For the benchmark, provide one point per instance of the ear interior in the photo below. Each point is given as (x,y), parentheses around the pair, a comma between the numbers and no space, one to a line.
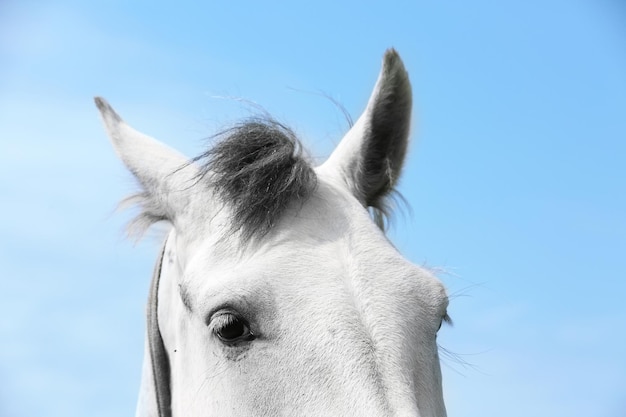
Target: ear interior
(386,131)
(369,158)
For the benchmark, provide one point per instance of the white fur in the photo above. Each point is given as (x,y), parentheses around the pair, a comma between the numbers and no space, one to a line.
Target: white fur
(346,326)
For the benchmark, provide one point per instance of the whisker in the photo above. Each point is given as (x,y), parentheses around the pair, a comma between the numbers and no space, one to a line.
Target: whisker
(459,359)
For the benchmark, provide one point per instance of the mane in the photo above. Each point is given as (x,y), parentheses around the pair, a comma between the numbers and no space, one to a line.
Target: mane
(257,168)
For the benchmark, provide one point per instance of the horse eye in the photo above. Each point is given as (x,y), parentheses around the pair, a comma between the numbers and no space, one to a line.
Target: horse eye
(231,329)
(445,319)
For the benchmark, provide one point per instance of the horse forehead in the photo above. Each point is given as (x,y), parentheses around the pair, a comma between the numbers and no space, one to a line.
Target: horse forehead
(328,240)
(332,238)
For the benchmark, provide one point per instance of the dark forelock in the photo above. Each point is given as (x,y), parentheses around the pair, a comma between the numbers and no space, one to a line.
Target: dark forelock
(258,169)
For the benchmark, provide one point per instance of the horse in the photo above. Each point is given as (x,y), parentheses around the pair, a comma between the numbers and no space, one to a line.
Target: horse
(277,291)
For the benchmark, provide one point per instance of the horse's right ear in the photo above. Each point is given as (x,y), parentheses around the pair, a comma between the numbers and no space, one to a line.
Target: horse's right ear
(369,158)
(163,173)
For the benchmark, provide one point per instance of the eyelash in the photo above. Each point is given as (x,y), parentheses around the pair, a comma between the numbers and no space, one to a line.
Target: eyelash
(222,320)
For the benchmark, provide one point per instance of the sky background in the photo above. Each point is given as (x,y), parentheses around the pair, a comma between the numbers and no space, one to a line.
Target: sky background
(515,178)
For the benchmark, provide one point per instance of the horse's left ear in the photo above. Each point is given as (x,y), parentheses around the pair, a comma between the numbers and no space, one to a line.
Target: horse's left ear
(370,156)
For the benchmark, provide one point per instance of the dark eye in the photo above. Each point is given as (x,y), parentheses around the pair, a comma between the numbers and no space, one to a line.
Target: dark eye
(230,328)
(445,319)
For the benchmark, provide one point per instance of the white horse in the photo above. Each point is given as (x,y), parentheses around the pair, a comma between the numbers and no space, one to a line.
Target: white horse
(276,293)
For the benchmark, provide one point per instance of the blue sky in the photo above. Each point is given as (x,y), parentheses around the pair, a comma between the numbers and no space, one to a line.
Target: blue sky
(515,179)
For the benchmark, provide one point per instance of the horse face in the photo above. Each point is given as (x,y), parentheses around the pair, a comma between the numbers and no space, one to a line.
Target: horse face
(324,317)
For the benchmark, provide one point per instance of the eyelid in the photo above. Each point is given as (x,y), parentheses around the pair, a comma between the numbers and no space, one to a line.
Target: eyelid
(221,317)
(225,317)
(239,308)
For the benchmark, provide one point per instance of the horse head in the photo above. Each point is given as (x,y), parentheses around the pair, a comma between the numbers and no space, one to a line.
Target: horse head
(278,292)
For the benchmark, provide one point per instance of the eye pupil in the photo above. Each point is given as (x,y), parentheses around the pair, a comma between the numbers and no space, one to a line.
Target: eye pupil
(233,330)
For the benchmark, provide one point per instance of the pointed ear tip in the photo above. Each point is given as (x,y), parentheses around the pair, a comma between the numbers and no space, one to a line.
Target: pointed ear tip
(100,102)
(105,109)
(392,63)
(391,53)
(392,57)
